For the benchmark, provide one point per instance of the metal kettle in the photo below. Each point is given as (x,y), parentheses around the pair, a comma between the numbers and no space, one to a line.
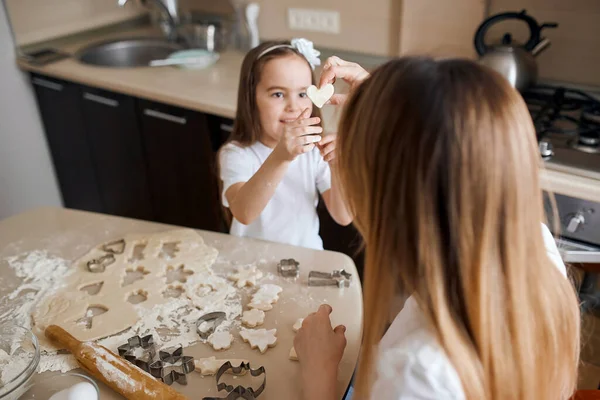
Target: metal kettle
(514,61)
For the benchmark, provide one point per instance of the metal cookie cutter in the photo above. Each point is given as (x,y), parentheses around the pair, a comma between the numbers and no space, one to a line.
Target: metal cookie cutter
(234,393)
(172,366)
(207,323)
(139,351)
(99,264)
(114,247)
(288,268)
(339,278)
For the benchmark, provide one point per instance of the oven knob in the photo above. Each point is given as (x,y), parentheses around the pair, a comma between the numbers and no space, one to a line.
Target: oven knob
(575,222)
(546,150)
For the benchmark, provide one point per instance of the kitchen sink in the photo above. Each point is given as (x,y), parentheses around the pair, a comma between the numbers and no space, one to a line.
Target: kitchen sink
(125,53)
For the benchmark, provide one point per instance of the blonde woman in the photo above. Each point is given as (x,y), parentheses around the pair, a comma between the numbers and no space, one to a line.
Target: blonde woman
(439,164)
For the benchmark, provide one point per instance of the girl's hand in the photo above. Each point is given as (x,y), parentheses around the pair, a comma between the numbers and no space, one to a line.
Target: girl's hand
(327,147)
(350,72)
(299,136)
(320,347)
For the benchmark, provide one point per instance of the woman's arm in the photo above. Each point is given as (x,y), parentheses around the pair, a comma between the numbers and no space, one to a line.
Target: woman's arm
(334,201)
(333,197)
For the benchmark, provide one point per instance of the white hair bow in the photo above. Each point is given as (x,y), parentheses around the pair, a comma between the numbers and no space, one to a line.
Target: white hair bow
(305,47)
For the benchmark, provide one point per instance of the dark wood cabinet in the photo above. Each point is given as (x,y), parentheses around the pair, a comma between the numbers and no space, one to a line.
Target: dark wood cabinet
(220,128)
(111,125)
(183,180)
(60,108)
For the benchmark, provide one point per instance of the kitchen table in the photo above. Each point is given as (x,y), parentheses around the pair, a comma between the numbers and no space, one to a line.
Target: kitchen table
(70,234)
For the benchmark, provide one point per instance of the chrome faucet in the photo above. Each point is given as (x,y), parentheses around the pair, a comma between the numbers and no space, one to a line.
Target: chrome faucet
(169,9)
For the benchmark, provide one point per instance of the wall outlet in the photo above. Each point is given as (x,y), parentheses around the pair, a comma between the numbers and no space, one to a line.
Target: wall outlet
(303,19)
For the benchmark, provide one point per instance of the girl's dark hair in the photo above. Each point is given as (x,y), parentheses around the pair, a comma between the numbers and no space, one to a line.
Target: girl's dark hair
(246,128)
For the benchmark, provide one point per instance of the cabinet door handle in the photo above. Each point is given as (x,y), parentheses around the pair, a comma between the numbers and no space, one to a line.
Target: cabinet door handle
(226,127)
(99,99)
(47,84)
(165,116)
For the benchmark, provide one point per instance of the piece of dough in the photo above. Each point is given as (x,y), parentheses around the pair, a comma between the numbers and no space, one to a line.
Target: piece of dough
(210,365)
(253,318)
(265,297)
(298,324)
(70,303)
(220,340)
(319,96)
(293,355)
(246,276)
(259,338)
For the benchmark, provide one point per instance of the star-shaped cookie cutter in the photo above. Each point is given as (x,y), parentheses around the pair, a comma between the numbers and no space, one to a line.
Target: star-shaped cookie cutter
(288,268)
(339,278)
(98,265)
(139,351)
(172,366)
(234,393)
(214,319)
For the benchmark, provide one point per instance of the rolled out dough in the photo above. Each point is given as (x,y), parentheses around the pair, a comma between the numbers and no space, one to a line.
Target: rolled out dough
(145,255)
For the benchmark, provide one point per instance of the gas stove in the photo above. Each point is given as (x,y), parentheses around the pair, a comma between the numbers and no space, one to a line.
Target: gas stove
(567,122)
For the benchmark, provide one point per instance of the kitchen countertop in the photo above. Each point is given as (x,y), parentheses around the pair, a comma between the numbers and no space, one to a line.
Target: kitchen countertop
(214,90)
(69,234)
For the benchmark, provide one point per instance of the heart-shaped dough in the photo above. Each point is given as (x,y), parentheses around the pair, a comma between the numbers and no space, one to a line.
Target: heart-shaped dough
(320,96)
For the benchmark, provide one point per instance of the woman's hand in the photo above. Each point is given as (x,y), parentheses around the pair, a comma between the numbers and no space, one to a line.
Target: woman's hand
(350,72)
(299,136)
(327,147)
(320,349)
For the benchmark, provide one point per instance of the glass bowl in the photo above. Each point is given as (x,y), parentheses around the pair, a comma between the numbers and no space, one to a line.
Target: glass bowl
(44,388)
(19,359)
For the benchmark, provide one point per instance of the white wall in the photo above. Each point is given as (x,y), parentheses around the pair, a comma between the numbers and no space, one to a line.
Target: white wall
(27,177)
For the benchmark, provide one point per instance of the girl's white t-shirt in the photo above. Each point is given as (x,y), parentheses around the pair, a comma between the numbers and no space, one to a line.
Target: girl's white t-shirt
(413,365)
(291,215)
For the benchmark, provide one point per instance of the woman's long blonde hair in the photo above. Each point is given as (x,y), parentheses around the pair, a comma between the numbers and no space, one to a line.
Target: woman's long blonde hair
(440,166)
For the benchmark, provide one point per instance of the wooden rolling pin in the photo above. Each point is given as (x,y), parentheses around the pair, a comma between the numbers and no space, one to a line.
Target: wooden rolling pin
(116,372)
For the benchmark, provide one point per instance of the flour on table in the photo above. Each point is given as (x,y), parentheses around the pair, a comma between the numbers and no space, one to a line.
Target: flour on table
(259,338)
(42,275)
(253,318)
(50,292)
(246,276)
(210,365)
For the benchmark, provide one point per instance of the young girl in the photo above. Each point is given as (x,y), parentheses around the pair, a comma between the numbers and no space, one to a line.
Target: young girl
(440,165)
(277,161)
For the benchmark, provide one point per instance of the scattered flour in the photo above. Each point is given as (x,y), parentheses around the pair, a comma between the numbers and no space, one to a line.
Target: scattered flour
(172,323)
(42,275)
